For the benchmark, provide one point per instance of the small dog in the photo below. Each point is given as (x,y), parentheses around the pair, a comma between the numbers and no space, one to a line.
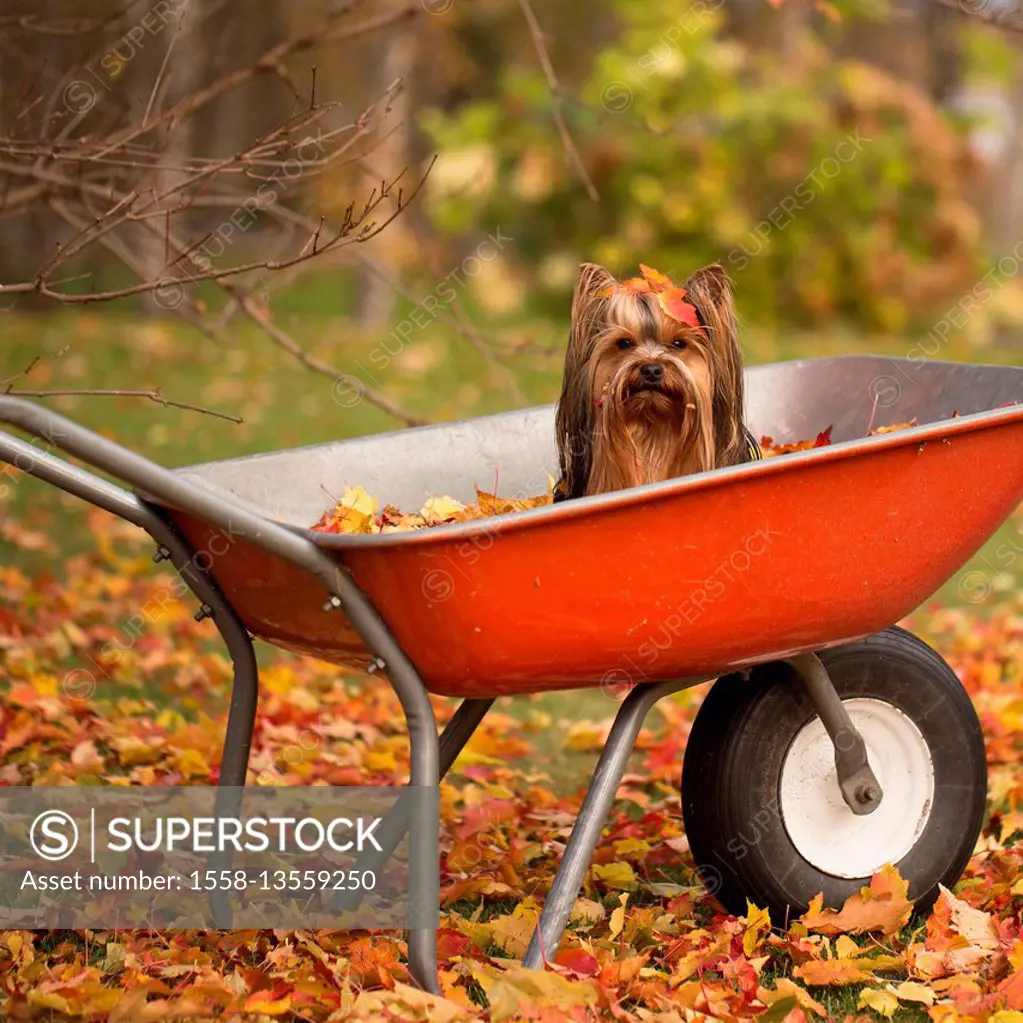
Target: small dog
(653,385)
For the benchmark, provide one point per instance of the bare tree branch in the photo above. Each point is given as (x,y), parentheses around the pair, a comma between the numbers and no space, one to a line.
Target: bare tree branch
(153,395)
(100,165)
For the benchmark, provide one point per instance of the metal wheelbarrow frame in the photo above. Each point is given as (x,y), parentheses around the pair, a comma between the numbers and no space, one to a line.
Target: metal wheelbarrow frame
(174,498)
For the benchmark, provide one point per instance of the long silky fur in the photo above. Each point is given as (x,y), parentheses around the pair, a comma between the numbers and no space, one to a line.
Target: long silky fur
(710,291)
(574,420)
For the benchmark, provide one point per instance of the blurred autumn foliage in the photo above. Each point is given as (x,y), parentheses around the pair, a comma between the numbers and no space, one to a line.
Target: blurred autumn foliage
(828,186)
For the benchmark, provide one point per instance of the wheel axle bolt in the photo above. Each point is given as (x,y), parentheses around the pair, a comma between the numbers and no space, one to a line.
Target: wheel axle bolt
(866,794)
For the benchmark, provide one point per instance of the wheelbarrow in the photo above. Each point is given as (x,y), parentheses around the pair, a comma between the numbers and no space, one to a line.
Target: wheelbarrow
(833,743)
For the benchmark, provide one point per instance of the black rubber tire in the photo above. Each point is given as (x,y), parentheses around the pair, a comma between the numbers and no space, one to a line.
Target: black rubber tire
(731,775)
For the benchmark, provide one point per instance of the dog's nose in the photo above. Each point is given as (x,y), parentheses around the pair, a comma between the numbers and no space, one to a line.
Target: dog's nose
(651,372)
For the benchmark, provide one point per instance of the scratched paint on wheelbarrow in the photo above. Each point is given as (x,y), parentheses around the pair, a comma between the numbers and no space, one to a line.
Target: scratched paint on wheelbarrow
(690,578)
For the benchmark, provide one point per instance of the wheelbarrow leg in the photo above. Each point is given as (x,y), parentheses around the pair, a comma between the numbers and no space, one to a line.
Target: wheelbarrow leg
(592,817)
(241,718)
(460,729)
(860,788)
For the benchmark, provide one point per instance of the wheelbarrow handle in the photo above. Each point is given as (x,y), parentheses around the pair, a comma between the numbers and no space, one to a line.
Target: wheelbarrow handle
(171,488)
(101,453)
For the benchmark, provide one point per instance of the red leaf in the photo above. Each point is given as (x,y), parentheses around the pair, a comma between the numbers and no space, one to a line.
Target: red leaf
(823,438)
(578,961)
(672,304)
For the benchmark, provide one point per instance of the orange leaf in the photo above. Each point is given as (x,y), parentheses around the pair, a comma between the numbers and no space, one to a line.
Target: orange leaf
(637,285)
(880,906)
(819,972)
(655,278)
(672,305)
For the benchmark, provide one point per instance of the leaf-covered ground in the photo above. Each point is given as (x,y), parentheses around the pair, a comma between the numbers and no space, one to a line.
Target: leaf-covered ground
(97,691)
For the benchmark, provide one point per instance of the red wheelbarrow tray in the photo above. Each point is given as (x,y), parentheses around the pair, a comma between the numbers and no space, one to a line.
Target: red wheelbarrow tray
(693,577)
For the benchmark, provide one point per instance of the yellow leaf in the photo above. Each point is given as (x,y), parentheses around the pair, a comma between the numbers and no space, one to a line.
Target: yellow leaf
(132,750)
(49,1000)
(521,992)
(615,875)
(883,1002)
(357,500)
(262,1002)
(440,509)
(617,921)
(1006,1016)
(355,511)
(380,761)
(512,933)
(1016,956)
(908,991)
(758,922)
(192,764)
(846,948)
(635,847)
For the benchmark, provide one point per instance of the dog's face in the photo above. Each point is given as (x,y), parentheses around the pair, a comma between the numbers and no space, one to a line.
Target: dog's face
(652,388)
(650,373)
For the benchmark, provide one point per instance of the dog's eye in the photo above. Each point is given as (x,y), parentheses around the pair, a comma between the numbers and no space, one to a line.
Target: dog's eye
(678,343)
(624,343)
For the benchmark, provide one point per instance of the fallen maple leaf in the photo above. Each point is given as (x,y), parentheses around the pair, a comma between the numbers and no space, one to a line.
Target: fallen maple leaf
(785,989)
(769,449)
(758,923)
(528,993)
(883,1002)
(880,906)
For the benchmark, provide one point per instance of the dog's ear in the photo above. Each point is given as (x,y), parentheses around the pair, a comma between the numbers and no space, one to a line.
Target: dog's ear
(574,422)
(593,278)
(710,290)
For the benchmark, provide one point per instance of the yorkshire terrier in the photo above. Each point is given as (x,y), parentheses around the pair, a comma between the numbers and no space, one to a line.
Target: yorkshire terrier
(653,385)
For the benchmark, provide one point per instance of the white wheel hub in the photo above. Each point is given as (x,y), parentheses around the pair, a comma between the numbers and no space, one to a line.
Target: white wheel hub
(826,833)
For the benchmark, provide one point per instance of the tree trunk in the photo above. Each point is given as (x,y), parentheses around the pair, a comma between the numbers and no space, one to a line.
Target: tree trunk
(182,75)
(376,301)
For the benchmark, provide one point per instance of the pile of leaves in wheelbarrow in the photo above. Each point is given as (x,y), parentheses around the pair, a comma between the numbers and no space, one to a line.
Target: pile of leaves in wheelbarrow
(359,512)
(86,702)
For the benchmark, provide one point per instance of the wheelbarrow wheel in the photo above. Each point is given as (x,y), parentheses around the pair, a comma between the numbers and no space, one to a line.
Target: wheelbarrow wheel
(763,812)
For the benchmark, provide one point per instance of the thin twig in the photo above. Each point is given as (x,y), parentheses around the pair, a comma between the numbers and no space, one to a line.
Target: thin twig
(24,373)
(290,345)
(153,395)
(163,65)
(552,82)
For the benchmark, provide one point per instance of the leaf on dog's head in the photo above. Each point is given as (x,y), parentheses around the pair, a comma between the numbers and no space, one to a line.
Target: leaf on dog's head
(655,278)
(637,285)
(605,292)
(673,304)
